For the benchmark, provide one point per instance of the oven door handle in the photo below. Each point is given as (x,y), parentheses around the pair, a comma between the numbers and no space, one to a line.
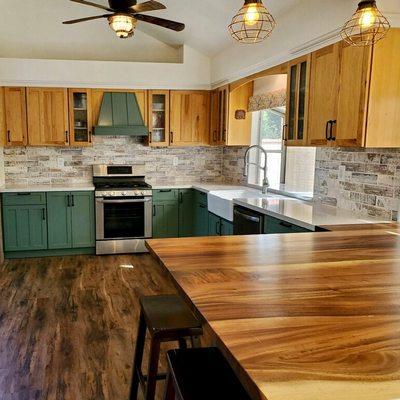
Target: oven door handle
(123,201)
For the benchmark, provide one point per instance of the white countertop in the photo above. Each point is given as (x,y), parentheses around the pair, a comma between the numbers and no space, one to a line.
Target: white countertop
(201,186)
(74,187)
(305,214)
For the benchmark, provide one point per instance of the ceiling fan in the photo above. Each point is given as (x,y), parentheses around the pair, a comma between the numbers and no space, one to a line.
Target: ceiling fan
(124,14)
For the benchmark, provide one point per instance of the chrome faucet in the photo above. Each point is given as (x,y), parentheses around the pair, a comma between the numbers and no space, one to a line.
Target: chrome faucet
(247,164)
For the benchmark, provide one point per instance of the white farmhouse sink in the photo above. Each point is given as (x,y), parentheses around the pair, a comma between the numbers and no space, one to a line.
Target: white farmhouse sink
(220,202)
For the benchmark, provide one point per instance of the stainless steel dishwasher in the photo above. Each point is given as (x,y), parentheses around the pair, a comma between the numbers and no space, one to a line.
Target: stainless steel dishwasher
(247,222)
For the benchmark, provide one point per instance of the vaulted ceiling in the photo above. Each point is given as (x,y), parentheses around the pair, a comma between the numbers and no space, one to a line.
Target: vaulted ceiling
(33,29)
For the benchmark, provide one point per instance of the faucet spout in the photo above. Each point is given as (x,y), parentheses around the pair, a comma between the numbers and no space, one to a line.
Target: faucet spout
(247,163)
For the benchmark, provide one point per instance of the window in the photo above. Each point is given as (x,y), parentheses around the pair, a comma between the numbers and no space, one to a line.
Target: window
(292,167)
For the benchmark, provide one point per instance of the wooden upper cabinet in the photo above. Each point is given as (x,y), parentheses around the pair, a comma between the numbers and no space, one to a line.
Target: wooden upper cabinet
(15,116)
(383,119)
(219,115)
(48,116)
(239,118)
(355,66)
(80,117)
(214,117)
(323,97)
(189,118)
(295,129)
(158,116)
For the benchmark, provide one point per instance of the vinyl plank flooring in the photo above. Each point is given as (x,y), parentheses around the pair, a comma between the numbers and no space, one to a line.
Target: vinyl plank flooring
(68,325)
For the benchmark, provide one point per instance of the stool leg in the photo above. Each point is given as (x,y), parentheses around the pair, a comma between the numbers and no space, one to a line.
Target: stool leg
(153,369)
(169,393)
(182,343)
(137,361)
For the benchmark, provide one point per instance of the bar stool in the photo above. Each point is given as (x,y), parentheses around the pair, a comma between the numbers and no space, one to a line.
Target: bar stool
(167,318)
(201,374)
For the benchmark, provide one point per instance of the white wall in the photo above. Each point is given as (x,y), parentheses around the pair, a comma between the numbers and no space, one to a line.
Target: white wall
(312,24)
(193,73)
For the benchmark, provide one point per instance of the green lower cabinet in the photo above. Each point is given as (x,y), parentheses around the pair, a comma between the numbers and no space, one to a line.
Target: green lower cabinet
(226,228)
(214,225)
(25,227)
(275,225)
(83,220)
(165,219)
(186,212)
(201,220)
(59,220)
(70,220)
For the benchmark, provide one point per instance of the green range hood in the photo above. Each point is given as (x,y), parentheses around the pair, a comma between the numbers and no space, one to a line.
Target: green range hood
(120,115)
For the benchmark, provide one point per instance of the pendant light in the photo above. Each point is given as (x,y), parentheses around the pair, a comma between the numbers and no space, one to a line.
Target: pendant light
(367,25)
(252,23)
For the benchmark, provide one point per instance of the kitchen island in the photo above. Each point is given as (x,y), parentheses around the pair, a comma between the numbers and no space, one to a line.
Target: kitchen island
(311,316)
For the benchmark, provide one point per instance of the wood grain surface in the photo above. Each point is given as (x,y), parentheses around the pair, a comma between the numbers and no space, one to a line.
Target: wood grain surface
(68,325)
(300,316)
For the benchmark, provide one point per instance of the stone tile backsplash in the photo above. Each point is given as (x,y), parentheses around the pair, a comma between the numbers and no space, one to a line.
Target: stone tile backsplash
(366,181)
(52,165)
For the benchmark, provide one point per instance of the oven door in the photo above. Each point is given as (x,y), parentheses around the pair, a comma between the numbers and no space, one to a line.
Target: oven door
(123,218)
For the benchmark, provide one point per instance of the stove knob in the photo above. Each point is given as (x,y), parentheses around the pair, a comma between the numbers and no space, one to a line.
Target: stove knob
(112,193)
(124,193)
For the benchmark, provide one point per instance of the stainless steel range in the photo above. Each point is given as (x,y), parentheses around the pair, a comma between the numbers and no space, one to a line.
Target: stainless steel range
(123,208)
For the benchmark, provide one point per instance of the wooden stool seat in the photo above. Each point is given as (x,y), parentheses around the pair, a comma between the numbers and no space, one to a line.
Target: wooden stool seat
(167,319)
(202,374)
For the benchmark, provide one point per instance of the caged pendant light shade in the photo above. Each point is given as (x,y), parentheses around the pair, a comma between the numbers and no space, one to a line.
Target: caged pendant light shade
(367,25)
(252,24)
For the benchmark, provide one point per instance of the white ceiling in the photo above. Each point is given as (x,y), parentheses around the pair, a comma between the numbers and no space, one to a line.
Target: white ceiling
(33,29)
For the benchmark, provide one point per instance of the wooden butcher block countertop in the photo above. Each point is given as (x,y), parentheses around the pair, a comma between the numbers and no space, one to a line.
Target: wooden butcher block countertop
(308,316)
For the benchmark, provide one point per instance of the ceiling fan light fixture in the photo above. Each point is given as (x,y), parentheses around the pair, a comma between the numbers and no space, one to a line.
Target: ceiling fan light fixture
(367,25)
(253,23)
(123,25)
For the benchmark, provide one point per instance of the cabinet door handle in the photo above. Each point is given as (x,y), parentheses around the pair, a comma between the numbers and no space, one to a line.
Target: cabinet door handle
(285,224)
(202,206)
(165,190)
(150,137)
(66,137)
(331,137)
(73,200)
(90,136)
(219,228)
(224,135)
(284,133)
(327,129)
(180,197)
(9,136)
(154,211)
(68,200)
(24,194)
(44,214)
(171,137)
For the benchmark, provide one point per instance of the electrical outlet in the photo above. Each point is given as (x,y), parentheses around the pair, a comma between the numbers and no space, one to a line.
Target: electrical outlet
(175,161)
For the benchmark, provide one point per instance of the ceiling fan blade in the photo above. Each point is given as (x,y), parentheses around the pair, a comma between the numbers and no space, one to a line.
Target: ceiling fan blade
(151,5)
(165,23)
(75,21)
(89,3)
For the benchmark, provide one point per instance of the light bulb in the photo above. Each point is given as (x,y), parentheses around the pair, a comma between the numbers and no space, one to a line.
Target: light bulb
(252,15)
(368,18)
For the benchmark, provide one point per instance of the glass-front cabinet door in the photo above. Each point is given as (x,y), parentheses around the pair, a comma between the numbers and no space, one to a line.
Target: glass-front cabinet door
(159,118)
(80,112)
(295,129)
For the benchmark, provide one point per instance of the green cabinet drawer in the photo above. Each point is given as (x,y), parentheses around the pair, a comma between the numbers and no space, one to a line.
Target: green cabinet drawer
(24,198)
(201,198)
(274,225)
(160,195)
(226,228)
(24,228)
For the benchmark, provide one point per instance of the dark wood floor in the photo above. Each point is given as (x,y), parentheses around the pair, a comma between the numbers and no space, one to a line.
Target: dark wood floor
(68,325)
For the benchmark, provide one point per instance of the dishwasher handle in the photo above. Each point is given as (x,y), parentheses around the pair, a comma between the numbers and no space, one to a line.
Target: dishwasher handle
(247,217)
